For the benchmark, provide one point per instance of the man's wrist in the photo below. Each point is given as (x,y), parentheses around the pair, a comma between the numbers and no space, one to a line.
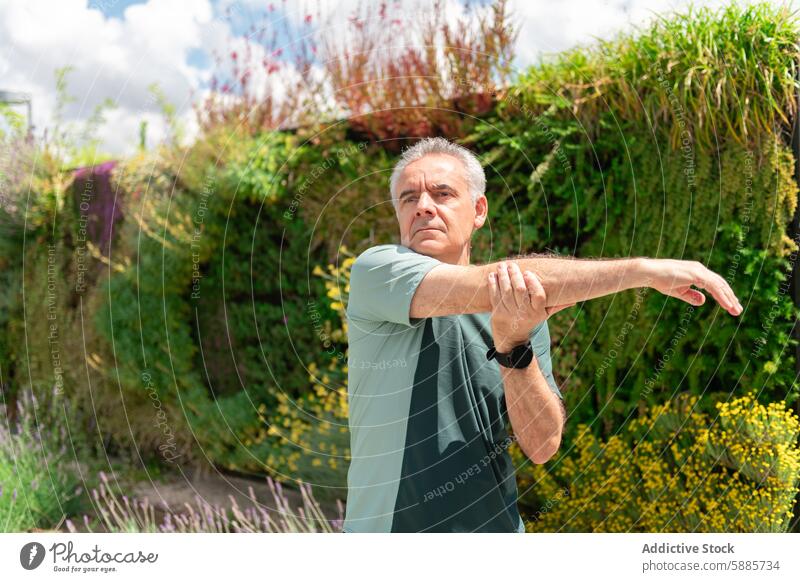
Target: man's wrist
(534,365)
(641,275)
(505,345)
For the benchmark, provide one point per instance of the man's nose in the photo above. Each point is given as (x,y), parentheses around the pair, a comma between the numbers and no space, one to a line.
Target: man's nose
(425,204)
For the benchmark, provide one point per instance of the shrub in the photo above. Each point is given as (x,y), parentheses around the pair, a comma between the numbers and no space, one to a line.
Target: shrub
(312,431)
(440,71)
(229,330)
(675,469)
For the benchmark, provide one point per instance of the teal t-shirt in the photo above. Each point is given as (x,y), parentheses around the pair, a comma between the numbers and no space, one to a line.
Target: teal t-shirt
(428,419)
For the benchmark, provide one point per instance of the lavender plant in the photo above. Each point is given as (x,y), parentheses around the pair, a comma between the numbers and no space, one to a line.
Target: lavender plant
(133,516)
(38,485)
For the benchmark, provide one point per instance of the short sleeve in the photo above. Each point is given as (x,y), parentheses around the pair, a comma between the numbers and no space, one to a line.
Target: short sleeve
(383,280)
(540,341)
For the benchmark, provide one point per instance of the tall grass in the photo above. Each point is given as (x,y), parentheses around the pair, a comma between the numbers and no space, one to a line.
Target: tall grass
(733,68)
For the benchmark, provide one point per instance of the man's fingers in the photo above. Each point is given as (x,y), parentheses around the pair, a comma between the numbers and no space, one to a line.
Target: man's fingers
(504,283)
(731,295)
(535,289)
(720,291)
(519,286)
(692,296)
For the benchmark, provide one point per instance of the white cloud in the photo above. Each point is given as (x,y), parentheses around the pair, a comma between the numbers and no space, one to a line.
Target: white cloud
(116,58)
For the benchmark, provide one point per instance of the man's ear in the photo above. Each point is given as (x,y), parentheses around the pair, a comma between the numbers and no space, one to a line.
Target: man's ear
(481,211)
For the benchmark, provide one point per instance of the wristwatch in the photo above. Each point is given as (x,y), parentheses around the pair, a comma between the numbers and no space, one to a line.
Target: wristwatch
(519,357)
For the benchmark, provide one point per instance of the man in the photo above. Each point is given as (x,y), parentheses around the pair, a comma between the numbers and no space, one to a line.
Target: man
(440,354)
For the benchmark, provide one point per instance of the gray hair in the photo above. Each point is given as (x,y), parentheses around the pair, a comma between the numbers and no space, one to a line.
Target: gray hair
(476,179)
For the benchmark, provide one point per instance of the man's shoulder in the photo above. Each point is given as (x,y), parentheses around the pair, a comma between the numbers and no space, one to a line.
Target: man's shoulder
(373,256)
(385,253)
(378,249)
(384,249)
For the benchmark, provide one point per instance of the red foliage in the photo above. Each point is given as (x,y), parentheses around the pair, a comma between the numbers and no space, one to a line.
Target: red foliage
(428,80)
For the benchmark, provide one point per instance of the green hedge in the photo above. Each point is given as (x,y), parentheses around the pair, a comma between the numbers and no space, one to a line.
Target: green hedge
(579,165)
(211,327)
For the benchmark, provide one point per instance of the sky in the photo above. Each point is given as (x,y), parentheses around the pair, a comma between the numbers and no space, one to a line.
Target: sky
(119,48)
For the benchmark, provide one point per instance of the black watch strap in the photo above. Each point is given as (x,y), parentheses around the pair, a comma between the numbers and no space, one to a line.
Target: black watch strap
(519,357)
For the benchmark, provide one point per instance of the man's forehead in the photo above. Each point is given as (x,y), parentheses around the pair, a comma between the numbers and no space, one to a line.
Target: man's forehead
(435,168)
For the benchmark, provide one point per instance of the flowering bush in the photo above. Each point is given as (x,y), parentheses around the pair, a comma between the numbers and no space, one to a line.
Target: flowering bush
(675,470)
(439,71)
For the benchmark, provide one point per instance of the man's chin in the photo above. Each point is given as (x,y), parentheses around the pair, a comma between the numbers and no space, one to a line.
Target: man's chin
(428,247)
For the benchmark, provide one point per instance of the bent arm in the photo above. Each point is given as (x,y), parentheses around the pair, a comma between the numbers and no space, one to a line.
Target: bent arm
(536,413)
(455,289)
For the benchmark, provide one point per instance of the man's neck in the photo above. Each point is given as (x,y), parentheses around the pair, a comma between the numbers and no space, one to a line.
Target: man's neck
(461,258)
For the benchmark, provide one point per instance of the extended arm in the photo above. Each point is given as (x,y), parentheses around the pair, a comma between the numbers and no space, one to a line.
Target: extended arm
(454,289)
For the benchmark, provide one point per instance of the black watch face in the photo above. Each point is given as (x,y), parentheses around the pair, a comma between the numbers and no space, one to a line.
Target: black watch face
(518,357)
(521,356)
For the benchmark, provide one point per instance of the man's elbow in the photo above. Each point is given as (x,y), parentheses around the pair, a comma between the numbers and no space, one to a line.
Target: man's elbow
(543,452)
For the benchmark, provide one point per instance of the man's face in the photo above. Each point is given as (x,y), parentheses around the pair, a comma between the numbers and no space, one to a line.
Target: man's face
(435,209)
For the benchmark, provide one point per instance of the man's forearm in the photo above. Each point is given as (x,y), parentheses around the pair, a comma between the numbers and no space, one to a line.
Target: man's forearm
(564,280)
(572,280)
(536,413)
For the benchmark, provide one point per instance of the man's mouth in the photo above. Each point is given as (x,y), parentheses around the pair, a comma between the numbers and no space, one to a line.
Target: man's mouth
(428,228)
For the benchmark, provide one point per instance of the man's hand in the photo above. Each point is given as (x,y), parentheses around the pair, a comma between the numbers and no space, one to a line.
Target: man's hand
(518,305)
(676,278)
